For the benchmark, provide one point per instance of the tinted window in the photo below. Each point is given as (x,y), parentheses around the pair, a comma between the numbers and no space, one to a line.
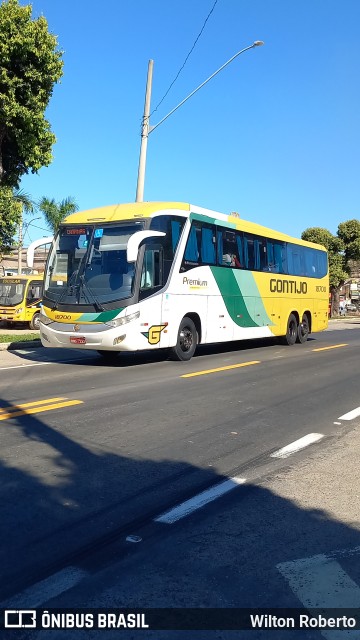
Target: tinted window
(201,246)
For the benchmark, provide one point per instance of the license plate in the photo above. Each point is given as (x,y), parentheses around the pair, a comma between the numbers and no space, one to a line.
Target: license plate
(78,340)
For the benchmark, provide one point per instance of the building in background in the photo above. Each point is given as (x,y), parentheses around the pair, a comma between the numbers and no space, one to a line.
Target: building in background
(9,262)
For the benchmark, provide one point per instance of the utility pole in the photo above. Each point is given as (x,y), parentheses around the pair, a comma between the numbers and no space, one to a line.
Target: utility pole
(20,245)
(147,128)
(144,135)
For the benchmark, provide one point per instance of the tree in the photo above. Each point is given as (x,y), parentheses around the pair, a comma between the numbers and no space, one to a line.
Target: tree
(30,66)
(338,268)
(13,202)
(55,212)
(349,232)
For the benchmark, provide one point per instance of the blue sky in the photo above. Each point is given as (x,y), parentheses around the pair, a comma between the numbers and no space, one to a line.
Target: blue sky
(275,136)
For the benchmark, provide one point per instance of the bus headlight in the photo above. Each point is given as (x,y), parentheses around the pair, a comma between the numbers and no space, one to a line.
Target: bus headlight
(118,322)
(19,310)
(44,319)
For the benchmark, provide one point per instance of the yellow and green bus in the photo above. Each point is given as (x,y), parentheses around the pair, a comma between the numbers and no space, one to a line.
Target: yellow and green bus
(173,275)
(20,299)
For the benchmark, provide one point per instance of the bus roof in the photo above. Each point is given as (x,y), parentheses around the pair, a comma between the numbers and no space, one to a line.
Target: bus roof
(143,210)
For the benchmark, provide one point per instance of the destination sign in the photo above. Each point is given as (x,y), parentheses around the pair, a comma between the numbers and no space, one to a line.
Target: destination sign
(75,232)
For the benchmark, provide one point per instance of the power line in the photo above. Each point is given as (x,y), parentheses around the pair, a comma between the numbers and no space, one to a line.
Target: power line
(187,57)
(37,227)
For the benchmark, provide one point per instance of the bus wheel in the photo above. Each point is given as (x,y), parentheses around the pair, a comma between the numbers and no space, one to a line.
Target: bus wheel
(35,322)
(291,331)
(303,330)
(186,342)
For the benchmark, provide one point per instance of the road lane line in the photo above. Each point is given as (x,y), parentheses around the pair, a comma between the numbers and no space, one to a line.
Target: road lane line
(22,366)
(319,582)
(231,366)
(16,407)
(334,346)
(295,446)
(49,588)
(200,500)
(50,407)
(43,364)
(351,414)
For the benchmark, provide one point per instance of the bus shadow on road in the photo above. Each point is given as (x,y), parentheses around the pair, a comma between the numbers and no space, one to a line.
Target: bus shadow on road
(67,502)
(136,358)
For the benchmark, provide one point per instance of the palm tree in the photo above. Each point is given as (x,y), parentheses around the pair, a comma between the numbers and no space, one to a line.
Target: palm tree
(24,201)
(55,212)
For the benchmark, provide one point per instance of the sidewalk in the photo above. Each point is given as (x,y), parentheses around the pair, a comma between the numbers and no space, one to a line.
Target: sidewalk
(11,331)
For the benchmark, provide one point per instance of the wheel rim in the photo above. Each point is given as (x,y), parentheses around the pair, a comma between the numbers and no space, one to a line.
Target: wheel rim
(292,329)
(304,328)
(37,322)
(186,339)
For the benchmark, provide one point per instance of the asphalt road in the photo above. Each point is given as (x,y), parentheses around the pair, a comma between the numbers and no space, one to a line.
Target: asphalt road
(93,453)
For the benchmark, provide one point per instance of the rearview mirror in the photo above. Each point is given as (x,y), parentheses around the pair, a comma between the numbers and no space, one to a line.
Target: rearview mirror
(135,241)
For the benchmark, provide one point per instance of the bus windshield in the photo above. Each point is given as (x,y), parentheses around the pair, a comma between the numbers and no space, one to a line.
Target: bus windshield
(88,264)
(11,292)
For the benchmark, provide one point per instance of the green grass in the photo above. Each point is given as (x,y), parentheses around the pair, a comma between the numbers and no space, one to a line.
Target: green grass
(24,337)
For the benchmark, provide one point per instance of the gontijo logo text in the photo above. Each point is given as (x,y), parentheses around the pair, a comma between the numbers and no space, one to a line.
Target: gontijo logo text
(287,286)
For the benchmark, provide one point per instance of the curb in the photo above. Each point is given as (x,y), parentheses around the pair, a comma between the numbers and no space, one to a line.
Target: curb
(12,346)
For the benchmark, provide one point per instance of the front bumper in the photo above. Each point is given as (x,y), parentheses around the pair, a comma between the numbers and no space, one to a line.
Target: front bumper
(91,336)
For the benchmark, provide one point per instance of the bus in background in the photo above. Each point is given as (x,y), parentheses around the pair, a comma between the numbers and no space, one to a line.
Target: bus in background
(173,275)
(20,298)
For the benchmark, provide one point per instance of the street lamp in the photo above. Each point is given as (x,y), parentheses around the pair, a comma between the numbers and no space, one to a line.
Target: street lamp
(22,230)
(146,128)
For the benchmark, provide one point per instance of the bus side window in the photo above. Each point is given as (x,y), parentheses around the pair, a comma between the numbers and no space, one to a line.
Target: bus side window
(239,243)
(229,249)
(275,257)
(34,292)
(296,260)
(208,245)
(249,251)
(280,257)
(192,249)
(152,271)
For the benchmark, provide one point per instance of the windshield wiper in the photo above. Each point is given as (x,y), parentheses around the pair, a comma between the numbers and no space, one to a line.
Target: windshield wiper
(65,291)
(85,289)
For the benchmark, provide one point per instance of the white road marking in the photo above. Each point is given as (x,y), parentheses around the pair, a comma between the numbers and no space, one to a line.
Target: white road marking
(49,588)
(200,500)
(351,414)
(297,445)
(22,366)
(41,364)
(320,582)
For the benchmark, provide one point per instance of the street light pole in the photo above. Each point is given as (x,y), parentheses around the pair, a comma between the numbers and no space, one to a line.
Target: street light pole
(22,233)
(147,128)
(20,243)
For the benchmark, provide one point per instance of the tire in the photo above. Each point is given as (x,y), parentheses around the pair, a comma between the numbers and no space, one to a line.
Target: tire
(303,329)
(291,332)
(35,321)
(186,341)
